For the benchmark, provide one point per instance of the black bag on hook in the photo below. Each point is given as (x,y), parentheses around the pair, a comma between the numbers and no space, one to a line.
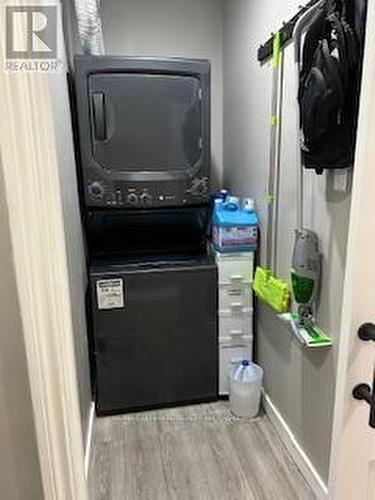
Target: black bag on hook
(330,83)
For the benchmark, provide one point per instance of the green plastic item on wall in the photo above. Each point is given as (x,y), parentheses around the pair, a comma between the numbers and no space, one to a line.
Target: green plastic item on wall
(273,291)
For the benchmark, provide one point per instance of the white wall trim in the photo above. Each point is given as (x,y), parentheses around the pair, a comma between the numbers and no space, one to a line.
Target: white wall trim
(299,456)
(89,437)
(31,174)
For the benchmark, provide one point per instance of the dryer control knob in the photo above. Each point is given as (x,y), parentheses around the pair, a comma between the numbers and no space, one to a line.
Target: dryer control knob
(132,198)
(146,199)
(199,186)
(202,187)
(96,189)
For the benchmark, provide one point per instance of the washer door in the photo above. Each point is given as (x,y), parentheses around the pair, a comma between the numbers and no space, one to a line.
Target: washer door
(161,346)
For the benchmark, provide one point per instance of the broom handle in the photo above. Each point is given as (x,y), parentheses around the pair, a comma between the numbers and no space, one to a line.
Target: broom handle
(272,199)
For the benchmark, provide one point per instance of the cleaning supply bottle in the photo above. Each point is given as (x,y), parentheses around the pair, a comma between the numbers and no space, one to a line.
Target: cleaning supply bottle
(221,195)
(235,226)
(248,205)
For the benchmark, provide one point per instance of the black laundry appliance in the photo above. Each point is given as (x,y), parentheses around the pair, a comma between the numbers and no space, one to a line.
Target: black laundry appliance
(116,234)
(155,332)
(153,295)
(142,129)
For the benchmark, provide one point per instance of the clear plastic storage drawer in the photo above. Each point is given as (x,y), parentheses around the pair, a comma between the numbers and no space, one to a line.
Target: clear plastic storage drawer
(236,321)
(235,294)
(236,268)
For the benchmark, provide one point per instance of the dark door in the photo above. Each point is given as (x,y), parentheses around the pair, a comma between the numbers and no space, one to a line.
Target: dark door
(161,346)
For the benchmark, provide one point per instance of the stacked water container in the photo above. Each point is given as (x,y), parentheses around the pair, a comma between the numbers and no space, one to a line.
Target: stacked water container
(235,239)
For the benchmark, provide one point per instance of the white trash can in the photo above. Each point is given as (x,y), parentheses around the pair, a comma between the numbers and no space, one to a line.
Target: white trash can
(245,389)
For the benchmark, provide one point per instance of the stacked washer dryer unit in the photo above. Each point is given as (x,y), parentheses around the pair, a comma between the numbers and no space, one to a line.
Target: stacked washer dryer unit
(144,153)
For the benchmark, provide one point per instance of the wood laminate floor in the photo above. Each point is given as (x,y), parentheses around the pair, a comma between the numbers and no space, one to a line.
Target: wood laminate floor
(197,452)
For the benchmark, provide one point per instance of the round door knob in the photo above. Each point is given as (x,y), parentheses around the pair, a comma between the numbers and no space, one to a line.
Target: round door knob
(367,332)
(96,189)
(362,392)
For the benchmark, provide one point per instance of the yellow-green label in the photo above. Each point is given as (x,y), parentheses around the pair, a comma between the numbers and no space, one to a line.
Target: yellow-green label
(276,55)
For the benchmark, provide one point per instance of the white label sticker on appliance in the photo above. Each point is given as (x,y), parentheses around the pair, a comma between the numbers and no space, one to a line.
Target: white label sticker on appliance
(110,293)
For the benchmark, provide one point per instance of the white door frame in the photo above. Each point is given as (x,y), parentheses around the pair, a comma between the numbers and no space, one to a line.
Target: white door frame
(30,164)
(349,450)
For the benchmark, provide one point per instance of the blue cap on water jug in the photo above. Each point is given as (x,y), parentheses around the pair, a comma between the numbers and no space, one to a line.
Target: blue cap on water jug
(248,204)
(245,362)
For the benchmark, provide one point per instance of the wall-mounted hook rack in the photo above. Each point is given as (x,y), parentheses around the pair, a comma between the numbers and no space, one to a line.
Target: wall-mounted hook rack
(286,32)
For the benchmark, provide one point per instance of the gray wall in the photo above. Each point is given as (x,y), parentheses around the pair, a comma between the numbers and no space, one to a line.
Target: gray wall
(179,28)
(19,462)
(300,383)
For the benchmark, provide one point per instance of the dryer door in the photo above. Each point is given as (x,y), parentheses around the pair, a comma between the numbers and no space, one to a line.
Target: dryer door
(148,124)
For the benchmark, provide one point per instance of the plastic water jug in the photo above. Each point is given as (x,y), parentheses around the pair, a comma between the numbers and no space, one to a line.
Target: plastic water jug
(235,225)
(245,389)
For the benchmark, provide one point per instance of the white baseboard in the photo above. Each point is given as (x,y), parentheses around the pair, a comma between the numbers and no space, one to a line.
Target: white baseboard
(299,456)
(89,437)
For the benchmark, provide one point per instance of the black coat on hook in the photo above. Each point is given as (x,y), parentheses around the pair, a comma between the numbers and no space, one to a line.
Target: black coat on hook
(329,84)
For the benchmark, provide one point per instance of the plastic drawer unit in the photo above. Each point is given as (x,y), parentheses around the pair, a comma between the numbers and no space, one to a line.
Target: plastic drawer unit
(235,268)
(235,276)
(236,321)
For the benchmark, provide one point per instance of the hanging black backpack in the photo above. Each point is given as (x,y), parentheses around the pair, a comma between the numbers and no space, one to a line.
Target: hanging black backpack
(329,85)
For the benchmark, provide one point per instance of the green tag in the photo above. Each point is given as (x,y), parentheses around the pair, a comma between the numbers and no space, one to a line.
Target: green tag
(271,199)
(276,54)
(274,120)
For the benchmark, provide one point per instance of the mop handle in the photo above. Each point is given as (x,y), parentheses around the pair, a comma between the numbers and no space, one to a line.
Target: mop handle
(278,163)
(302,23)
